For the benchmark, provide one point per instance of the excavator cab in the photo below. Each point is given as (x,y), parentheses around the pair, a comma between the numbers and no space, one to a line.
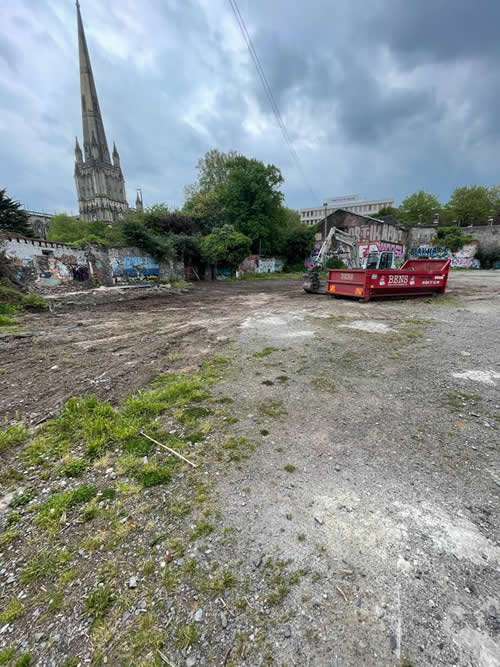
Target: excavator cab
(380,260)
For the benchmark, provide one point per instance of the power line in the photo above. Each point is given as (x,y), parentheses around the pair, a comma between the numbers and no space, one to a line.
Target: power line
(269,92)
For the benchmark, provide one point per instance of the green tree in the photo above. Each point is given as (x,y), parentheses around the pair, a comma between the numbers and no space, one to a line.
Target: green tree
(298,244)
(137,234)
(205,208)
(494,191)
(68,229)
(386,210)
(12,217)
(227,245)
(292,218)
(419,207)
(252,201)
(213,169)
(471,204)
(451,237)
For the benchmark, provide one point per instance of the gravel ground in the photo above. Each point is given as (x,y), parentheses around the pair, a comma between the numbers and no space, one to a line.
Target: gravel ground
(363,527)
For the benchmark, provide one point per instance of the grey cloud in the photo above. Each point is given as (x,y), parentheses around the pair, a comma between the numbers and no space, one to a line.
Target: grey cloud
(410,87)
(8,53)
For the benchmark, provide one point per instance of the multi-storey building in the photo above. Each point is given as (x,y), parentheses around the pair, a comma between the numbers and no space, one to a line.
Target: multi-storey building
(314,214)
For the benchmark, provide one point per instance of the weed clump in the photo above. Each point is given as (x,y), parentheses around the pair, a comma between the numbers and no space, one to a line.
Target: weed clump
(153,474)
(45,564)
(12,610)
(185,635)
(99,602)
(52,510)
(265,352)
(272,408)
(12,434)
(73,468)
(324,384)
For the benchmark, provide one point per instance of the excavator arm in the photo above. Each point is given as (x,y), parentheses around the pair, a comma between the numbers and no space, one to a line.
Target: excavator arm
(312,281)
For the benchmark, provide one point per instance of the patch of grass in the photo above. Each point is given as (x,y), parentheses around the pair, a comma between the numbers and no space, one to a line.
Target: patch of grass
(180,508)
(282,379)
(301,537)
(51,511)
(12,610)
(8,536)
(154,474)
(186,635)
(98,603)
(265,352)
(192,414)
(138,446)
(46,563)
(268,383)
(141,640)
(171,578)
(22,499)
(218,583)
(457,400)
(72,661)
(225,399)
(25,660)
(236,448)
(6,655)
(12,434)
(13,518)
(289,468)
(324,384)
(6,321)
(279,593)
(273,408)
(201,530)
(264,431)
(73,468)
(10,475)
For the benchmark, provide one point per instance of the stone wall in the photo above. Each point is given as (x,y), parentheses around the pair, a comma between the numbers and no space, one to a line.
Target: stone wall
(45,264)
(488,237)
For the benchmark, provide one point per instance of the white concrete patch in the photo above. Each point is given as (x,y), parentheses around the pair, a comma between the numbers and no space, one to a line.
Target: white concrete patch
(454,535)
(486,377)
(485,650)
(371,326)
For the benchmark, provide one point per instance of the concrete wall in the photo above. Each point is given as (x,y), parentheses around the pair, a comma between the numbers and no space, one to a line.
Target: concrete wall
(49,264)
(461,259)
(45,263)
(488,237)
(256,264)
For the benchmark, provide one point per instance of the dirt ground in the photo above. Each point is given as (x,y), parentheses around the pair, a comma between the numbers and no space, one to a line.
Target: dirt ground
(377,466)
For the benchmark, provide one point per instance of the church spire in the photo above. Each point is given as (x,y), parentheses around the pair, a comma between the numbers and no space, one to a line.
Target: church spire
(93,127)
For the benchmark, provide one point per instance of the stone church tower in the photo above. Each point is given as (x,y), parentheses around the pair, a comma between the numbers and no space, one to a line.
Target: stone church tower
(100,185)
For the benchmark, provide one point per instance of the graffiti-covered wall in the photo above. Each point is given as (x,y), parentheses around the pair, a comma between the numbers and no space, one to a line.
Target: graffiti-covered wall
(257,264)
(45,263)
(380,246)
(49,264)
(462,259)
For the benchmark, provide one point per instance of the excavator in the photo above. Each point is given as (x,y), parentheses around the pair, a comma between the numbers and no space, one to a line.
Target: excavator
(374,260)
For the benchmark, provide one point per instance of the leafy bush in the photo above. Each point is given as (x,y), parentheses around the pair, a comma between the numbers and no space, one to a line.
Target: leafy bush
(489,259)
(334,263)
(451,237)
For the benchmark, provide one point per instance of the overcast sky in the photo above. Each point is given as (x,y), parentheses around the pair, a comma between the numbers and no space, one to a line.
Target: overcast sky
(381,98)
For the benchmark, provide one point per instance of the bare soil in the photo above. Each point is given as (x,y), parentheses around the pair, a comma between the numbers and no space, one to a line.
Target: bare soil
(370,502)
